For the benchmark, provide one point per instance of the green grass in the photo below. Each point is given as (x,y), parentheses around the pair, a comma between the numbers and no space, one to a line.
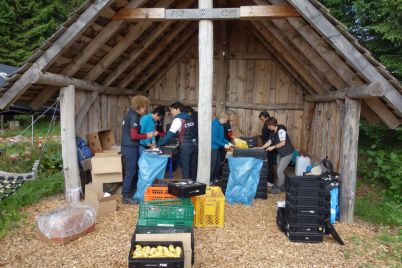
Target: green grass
(40,127)
(29,193)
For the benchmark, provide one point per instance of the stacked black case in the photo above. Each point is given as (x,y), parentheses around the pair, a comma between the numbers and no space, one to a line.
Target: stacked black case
(262,188)
(307,208)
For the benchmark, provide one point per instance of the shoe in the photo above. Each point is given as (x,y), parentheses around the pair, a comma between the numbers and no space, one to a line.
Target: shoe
(270,184)
(276,190)
(128,201)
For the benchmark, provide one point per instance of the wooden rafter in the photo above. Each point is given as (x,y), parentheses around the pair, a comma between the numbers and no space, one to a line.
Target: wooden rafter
(343,46)
(134,32)
(151,56)
(106,33)
(159,31)
(176,51)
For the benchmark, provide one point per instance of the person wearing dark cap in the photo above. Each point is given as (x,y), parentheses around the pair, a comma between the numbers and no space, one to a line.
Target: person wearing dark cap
(271,155)
(281,142)
(186,132)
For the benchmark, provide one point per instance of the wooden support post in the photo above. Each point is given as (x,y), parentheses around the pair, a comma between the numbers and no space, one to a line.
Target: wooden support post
(206,74)
(69,150)
(350,137)
(223,65)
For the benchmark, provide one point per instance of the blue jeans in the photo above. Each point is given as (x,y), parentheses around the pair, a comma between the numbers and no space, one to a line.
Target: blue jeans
(130,160)
(188,155)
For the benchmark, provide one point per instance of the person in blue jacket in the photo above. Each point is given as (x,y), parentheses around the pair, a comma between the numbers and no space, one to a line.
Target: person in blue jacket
(148,124)
(185,129)
(218,141)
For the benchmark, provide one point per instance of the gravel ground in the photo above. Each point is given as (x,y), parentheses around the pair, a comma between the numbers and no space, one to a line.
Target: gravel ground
(250,238)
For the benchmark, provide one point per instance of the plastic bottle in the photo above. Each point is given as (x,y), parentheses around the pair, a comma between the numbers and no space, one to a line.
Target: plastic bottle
(302,162)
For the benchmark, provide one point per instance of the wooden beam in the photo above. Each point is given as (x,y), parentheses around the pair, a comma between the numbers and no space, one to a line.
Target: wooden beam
(236,105)
(68,147)
(56,49)
(106,33)
(348,169)
(267,12)
(348,51)
(58,80)
(244,13)
(359,92)
(206,80)
(134,32)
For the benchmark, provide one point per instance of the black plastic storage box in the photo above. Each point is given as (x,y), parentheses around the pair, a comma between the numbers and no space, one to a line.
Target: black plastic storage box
(165,182)
(251,141)
(186,189)
(311,193)
(299,228)
(258,153)
(304,220)
(305,182)
(169,149)
(166,230)
(156,262)
(305,237)
(308,211)
(323,202)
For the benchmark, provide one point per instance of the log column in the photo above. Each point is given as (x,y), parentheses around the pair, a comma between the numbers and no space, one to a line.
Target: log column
(206,53)
(68,147)
(350,137)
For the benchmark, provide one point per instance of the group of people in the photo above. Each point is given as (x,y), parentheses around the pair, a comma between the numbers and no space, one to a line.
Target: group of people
(141,131)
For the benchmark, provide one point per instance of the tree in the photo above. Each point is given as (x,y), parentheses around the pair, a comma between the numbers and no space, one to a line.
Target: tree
(377,25)
(26,24)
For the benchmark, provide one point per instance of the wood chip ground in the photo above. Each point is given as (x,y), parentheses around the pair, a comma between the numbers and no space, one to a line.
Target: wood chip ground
(250,238)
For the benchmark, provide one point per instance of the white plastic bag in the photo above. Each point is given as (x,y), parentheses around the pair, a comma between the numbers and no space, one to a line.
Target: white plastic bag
(66,221)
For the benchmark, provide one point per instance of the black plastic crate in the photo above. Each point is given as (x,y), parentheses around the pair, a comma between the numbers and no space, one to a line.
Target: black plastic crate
(166,230)
(304,220)
(156,262)
(165,182)
(308,211)
(169,149)
(308,202)
(258,153)
(310,193)
(300,228)
(305,237)
(186,189)
(281,220)
(251,141)
(305,182)
(261,196)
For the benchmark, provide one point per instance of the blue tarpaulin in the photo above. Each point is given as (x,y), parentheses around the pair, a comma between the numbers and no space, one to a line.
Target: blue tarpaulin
(243,180)
(150,167)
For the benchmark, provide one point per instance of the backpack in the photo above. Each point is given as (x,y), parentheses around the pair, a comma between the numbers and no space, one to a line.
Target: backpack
(83,151)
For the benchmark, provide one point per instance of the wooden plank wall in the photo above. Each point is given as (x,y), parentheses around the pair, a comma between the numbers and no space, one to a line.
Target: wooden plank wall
(105,113)
(254,77)
(326,132)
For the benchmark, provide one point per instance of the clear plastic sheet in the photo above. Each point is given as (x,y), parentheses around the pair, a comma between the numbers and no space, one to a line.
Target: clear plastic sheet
(66,221)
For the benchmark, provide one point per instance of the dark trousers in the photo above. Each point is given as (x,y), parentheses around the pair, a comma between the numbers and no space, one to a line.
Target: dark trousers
(222,154)
(215,163)
(188,155)
(130,163)
(271,157)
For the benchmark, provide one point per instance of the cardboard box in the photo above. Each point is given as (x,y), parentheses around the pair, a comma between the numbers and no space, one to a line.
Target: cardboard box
(64,240)
(102,164)
(99,179)
(101,141)
(102,205)
(184,237)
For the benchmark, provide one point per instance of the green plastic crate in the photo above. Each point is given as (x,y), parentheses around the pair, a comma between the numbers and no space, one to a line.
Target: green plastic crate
(171,212)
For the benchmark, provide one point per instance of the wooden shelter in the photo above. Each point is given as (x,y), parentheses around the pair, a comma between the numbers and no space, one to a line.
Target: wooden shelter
(288,57)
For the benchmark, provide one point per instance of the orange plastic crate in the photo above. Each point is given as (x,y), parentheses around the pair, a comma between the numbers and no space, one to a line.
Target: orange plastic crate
(158,193)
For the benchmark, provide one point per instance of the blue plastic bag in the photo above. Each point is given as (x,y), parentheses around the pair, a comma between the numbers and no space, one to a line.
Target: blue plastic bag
(334,205)
(243,180)
(150,167)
